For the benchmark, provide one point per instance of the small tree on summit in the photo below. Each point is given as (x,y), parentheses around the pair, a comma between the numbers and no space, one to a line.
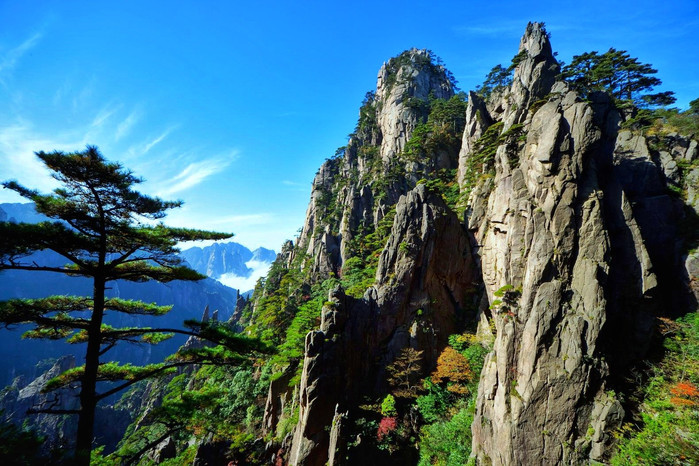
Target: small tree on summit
(104,230)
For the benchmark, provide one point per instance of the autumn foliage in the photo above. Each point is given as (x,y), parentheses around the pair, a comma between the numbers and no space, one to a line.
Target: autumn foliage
(684,394)
(454,370)
(387,426)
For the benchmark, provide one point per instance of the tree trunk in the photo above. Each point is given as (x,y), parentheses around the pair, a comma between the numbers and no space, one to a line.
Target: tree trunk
(88,391)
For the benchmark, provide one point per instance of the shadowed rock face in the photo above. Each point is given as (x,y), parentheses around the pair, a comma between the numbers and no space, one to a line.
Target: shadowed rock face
(573,228)
(566,225)
(359,203)
(58,431)
(423,292)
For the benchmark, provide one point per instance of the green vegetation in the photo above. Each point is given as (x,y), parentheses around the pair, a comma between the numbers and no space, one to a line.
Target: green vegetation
(430,61)
(618,74)
(499,77)
(441,131)
(357,276)
(388,406)
(481,163)
(667,429)
(664,121)
(367,126)
(307,318)
(101,230)
(448,442)
(224,403)
(448,405)
(277,299)
(446,185)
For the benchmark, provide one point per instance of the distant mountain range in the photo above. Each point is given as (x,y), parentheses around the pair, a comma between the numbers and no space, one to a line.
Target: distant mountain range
(221,259)
(226,261)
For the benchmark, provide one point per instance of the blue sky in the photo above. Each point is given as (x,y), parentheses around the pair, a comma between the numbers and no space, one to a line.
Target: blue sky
(233,106)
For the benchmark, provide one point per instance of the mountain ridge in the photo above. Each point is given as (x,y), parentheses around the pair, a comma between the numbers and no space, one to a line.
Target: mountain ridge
(572,230)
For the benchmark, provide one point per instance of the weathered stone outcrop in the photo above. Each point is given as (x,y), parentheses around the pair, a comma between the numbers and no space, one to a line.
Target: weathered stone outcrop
(58,430)
(424,288)
(19,398)
(396,85)
(570,247)
(278,396)
(575,223)
(545,235)
(477,121)
(344,197)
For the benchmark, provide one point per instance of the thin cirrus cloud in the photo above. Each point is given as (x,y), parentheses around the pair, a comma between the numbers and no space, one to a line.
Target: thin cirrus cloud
(296,186)
(102,117)
(138,150)
(152,143)
(9,60)
(18,143)
(509,28)
(125,126)
(193,174)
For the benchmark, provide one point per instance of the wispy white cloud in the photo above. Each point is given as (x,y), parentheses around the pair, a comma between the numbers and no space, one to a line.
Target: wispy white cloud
(125,126)
(268,229)
(102,116)
(149,145)
(9,60)
(296,186)
(509,28)
(18,142)
(194,174)
(82,99)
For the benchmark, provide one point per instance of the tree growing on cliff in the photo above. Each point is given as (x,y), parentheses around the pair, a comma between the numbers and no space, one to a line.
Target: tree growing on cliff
(617,73)
(104,229)
(404,373)
(454,370)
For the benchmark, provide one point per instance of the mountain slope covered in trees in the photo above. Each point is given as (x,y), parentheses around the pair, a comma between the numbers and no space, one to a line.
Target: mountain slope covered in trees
(506,276)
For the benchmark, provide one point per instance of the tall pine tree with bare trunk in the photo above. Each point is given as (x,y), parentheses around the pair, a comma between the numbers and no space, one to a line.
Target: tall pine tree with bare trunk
(106,231)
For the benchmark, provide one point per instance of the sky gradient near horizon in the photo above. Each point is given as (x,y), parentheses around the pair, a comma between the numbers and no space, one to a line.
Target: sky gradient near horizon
(232,107)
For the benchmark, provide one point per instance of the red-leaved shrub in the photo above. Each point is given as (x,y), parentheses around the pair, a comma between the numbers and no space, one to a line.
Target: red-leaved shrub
(685,390)
(386,426)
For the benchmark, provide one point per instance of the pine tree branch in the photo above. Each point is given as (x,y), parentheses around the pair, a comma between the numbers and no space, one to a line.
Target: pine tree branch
(39,268)
(111,345)
(145,375)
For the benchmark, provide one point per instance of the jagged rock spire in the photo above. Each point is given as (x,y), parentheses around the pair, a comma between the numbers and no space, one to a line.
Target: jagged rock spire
(534,75)
(411,75)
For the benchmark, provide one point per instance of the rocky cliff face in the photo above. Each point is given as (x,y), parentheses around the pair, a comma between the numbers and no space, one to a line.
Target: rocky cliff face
(353,191)
(422,294)
(575,220)
(570,246)
(58,430)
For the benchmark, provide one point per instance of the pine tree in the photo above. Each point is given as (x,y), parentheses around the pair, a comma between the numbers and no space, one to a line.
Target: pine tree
(106,231)
(617,73)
